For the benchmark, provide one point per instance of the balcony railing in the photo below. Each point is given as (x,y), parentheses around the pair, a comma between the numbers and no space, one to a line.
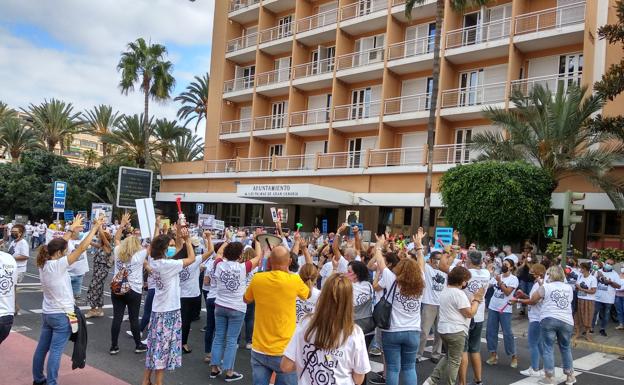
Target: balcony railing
(270,122)
(272,77)
(472,96)
(361,58)
(335,160)
(552,18)
(362,8)
(357,111)
(275,33)
(314,68)
(315,116)
(236,126)
(553,82)
(408,156)
(398,2)
(317,21)
(238,84)
(454,154)
(410,48)
(236,5)
(406,104)
(295,162)
(241,42)
(478,34)
(220,166)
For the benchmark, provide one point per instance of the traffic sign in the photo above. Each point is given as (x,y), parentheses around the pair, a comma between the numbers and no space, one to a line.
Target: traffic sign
(60,196)
(444,235)
(68,215)
(199,208)
(324,226)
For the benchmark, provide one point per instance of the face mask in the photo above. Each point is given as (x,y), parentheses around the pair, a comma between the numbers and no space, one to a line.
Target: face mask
(13,236)
(171,250)
(607,267)
(505,269)
(529,259)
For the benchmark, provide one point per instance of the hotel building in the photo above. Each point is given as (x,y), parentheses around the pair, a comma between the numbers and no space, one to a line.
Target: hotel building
(320,107)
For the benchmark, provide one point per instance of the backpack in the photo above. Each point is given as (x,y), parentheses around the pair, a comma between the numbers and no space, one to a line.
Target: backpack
(120,285)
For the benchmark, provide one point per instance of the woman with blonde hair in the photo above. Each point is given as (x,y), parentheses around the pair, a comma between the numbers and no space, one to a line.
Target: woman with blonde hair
(327,346)
(127,286)
(309,274)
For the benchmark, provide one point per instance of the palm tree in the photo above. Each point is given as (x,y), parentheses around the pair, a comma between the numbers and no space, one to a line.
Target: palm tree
(90,157)
(167,131)
(100,120)
(6,111)
(129,140)
(54,120)
(457,5)
(187,148)
(194,101)
(553,131)
(146,65)
(15,137)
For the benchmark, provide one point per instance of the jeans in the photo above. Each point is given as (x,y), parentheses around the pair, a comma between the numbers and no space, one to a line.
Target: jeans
(131,299)
(187,308)
(448,366)
(429,320)
(249,324)
(619,306)
(5,326)
(263,366)
(400,349)
(228,324)
(491,334)
(55,332)
(536,345)
(210,325)
(555,329)
(147,308)
(76,284)
(604,310)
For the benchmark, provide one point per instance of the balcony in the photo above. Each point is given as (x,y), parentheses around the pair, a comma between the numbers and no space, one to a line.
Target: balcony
(236,130)
(407,110)
(427,9)
(396,157)
(277,40)
(310,122)
(319,28)
(314,75)
(549,28)
(273,83)
(468,103)
(357,117)
(239,89)
(244,11)
(270,126)
(278,6)
(453,154)
(411,55)
(220,166)
(363,16)
(552,82)
(361,66)
(480,42)
(242,49)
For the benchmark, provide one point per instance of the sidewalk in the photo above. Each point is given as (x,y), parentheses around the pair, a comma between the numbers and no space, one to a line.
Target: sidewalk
(17,352)
(613,343)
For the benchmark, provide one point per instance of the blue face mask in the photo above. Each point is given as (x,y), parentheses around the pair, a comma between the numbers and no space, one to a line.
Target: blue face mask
(607,267)
(171,251)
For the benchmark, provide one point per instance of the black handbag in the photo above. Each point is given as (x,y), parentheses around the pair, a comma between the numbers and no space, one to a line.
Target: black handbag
(383,310)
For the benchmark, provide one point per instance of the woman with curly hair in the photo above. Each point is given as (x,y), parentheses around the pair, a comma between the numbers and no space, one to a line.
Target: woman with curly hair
(404,287)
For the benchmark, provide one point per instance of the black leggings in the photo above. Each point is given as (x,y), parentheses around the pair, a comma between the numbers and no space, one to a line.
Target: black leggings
(187,307)
(133,301)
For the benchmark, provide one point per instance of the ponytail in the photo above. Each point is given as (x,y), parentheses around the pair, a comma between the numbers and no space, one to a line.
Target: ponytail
(42,256)
(46,252)
(309,274)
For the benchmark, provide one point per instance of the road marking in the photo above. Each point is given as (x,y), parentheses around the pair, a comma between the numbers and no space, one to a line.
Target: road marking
(20,329)
(39,311)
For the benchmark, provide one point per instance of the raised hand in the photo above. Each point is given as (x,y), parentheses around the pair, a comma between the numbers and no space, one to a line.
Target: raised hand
(78,222)
(125,220)
(355,230)
(184,233)
(455,236)
(342,228)
(207,235)
(418,237)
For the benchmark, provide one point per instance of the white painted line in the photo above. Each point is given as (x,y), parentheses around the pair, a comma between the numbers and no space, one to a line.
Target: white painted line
(376,366)
(89,323)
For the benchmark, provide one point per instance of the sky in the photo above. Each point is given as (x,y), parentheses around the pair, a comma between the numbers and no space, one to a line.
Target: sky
(69,49)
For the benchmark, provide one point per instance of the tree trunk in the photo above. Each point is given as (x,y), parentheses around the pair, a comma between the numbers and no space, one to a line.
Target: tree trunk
(51,145)
(143,161)
(104,149)
(431,124)
(15,155)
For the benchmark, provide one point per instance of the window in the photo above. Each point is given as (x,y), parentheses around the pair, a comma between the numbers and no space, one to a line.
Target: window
(274,150)
(284,27)
(278,114)
(89,144)
(397,220)
(370,49)
(231,214)
(429,90)
(254,215)
(570,69)
(604,230)
(463,137)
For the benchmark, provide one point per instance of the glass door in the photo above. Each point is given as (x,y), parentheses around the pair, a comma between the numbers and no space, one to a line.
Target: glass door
(248,76)
(360,103)
(354,155)
(284,27)
(470,82)
(365,7)
(570,70)
(278,114)
(463,138)
(274,150)
(471,28)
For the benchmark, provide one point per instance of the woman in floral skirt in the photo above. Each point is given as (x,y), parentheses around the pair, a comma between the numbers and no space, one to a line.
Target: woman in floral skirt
(102,263)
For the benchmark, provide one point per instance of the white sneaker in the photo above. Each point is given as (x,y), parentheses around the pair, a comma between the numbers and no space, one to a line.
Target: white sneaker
(571,379)
(144,342)
(248,346)
(129,334)
(546,381)
(428,382)
(530,372)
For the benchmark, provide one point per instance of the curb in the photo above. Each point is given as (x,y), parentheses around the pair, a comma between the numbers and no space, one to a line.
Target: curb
(587,345)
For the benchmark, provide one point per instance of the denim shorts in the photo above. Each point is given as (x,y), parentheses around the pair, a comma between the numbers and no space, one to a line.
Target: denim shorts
(473,342)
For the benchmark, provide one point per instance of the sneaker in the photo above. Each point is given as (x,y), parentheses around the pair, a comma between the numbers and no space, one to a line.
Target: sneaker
(234,377)
(530,372)
(435,360)
(570,379)
(44,382)
(514,362)
(144,342)
(619,327)
(215,374)
(140,349)
(377,379)
(202,329)
(546,381)
(493,360)
(248,346)
(376,352)
(428,382)
(113,350)
(129,334)
(603,333)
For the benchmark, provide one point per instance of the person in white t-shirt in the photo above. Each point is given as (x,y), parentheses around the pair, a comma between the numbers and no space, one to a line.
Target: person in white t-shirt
(78,270)
(343,263)
(608,282)
(58,301)
(329,350)
(20,251)
(210,287)
(586,286)
(456,311)
(8,280)
(499,313)
(309,275)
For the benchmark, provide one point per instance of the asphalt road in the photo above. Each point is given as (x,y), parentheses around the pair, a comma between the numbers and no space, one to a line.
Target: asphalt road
(592,368)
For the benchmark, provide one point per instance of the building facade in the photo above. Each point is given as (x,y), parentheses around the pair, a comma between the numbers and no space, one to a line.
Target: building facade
(320,107)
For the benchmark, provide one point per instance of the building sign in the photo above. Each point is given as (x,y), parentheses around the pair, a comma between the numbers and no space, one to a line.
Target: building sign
(133,183)
(273,191)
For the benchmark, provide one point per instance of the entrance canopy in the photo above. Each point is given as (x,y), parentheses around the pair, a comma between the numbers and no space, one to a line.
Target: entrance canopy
(301,194)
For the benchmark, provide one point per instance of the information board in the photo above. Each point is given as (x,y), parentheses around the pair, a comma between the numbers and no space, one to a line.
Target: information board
(60,195)
(132,184)
(443,235)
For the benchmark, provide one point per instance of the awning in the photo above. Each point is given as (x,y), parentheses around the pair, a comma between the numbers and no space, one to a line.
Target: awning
(301,193)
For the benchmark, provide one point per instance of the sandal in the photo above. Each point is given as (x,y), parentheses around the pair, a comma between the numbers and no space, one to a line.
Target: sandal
(186,350)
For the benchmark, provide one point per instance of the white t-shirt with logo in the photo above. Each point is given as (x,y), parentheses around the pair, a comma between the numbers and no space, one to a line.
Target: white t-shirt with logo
(557,302)
(134,267)
(231,277)
(499,299)
(58,296)
(451,320)
(479,278)
(8,280)
(362,292)
(335,366)
(81,266)
(606,293)
(20,248)
(166,280)
(305,307)
(435,282)
(535,311)
(210,272)
(189,279)
(327,269)
(589,282)
(405,309)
